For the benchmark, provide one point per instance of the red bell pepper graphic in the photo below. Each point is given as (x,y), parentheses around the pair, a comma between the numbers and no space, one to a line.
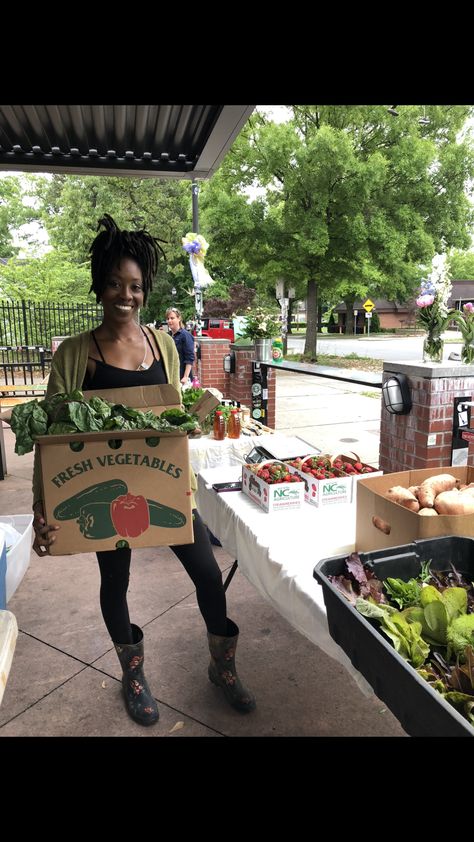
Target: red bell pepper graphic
(130,515)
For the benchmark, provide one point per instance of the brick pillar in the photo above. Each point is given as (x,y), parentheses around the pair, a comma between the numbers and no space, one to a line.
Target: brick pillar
(211,364)
(240,383)
(423,438)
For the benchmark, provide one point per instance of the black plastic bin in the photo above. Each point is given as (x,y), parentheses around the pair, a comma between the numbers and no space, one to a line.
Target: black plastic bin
(421,711)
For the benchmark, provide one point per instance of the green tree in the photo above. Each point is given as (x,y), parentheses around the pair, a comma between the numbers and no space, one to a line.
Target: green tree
(461,265)
(52,277)
(71,207)
(357,201)
(13,213)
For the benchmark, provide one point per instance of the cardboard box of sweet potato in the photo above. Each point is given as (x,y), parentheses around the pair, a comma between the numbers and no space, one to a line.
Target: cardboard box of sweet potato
(382,523)
(119,488)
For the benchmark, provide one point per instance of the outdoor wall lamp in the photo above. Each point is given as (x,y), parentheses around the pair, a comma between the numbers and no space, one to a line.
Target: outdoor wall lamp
(229,363)
(396,395)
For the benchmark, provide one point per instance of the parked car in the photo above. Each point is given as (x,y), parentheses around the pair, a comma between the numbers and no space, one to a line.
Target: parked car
(217,329)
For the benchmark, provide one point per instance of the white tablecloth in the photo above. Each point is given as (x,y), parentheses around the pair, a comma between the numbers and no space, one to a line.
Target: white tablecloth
(278,551)
(206,452)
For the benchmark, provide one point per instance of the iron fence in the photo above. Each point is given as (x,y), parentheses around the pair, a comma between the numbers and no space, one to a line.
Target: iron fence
(26,324)
(27,329)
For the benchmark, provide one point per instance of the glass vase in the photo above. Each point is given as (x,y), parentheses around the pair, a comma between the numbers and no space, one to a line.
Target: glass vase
(467,353)
(433,347)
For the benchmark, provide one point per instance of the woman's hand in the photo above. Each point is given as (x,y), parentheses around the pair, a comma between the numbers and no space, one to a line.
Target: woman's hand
(44,534)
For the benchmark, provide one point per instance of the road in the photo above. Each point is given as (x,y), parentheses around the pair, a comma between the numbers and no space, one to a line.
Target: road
(390,348)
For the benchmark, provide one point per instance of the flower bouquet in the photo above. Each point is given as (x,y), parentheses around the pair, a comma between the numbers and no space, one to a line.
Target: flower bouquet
(196,246)
(433,313)
(261,323)
(465,321)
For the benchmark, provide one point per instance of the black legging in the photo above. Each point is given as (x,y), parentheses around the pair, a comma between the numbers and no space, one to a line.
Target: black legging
(198,561)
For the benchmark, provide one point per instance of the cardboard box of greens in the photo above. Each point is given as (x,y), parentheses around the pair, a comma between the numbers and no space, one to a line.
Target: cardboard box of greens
(116,489)
(382,523)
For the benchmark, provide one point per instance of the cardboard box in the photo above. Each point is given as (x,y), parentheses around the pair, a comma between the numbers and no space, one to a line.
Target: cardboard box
(401,526)
(206,403)
(119,488)
(272,498)
(324,492)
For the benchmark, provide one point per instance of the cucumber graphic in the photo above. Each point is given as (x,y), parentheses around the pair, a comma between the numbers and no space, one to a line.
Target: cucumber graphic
(102,492)
(165,516)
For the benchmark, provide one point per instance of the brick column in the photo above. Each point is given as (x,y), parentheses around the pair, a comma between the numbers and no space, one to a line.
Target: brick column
(237,386)
(240,383)
(423,438)
(211,364)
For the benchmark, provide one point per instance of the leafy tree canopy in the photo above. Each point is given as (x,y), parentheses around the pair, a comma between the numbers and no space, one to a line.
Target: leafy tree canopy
(356,201)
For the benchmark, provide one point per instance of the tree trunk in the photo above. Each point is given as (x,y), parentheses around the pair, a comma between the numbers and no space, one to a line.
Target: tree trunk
(310,346)
(290,314)
(349,302)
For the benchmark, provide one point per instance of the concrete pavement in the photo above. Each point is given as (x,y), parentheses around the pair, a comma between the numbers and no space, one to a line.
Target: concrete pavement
(65,677)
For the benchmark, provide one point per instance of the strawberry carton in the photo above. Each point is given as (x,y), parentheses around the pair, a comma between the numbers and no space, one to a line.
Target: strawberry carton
(325,482)
(352,466)
(272,486)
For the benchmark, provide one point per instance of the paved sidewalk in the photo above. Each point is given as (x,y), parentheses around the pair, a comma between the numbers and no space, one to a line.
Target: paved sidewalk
(65,677)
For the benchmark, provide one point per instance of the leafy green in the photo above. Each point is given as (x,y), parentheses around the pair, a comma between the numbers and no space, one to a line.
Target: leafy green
(403,593)
(65,414)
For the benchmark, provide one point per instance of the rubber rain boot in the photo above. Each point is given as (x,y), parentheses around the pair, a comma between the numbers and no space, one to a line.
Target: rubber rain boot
(140,704)
(222,671)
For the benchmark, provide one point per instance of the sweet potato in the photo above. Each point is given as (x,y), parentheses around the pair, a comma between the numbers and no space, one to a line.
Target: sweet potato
(433,486)
(403,497)
(467,489)
(454,502)
(428,512)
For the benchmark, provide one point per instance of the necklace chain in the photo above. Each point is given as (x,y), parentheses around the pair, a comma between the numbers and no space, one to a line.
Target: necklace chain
(143,366)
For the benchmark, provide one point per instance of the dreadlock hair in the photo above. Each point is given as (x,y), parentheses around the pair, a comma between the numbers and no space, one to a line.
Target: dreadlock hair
(112,244)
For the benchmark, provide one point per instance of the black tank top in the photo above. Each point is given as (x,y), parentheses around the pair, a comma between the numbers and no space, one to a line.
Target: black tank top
(110,377)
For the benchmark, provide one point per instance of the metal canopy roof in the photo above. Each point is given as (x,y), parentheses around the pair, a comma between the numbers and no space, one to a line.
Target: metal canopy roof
(145,141)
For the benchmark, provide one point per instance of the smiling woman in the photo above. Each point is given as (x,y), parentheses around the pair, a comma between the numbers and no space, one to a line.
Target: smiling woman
(121,353)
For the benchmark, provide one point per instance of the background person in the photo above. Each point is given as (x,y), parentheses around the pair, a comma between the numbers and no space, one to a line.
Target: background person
(184,343)
(121,353)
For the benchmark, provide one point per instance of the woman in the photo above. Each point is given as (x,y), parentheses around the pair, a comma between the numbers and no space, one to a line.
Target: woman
(121,353)
(184,343)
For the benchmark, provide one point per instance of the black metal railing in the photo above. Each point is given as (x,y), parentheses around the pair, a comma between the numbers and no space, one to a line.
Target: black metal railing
(25,324)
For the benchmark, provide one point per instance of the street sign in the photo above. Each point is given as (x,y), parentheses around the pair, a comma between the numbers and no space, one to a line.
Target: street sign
(356,312)
(368,305)
(279,289)
(368,315)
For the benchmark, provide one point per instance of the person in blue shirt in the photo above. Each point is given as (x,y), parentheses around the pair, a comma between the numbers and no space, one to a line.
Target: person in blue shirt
(184,343)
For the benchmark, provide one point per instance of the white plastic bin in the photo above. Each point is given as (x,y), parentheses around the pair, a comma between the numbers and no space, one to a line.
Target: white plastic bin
(8,636)
(18,556)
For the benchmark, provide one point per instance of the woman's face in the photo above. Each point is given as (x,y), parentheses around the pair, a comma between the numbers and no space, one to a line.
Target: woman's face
(173,321)
(123,293)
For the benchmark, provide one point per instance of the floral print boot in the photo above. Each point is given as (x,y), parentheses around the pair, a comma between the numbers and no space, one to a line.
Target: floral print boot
(139,701)
(222,671)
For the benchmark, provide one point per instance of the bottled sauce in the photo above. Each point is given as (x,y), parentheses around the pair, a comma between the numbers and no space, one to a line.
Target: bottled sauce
(219,425)
(277,350)
(233,425)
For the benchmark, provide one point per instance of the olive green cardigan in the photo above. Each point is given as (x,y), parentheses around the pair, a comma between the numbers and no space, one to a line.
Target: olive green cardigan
(68,370)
